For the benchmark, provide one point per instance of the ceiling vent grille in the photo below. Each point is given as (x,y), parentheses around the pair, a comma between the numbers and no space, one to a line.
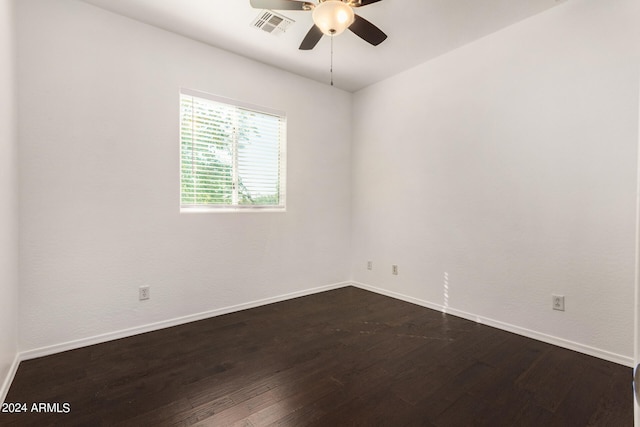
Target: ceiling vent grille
(271,22)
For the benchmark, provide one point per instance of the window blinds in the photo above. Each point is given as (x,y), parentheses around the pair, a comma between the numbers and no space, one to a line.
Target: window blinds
(232,154)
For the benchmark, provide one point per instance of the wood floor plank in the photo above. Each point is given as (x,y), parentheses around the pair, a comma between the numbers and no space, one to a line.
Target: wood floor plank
(346,357)
(551,378)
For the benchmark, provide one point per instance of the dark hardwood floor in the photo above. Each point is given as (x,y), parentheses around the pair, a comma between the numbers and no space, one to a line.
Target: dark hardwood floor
(339,358)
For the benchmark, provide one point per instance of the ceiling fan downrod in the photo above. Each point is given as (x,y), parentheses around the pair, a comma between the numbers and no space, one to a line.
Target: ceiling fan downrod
(331,65)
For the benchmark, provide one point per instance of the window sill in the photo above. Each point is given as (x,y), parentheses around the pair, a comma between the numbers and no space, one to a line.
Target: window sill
(228,209)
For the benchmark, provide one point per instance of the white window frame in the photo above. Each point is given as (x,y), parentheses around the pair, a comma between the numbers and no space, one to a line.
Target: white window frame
(235,206)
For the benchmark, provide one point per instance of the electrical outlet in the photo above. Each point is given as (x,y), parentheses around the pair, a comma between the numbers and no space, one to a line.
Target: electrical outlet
(557,302)
(144,292)
(369,265)
(394,270)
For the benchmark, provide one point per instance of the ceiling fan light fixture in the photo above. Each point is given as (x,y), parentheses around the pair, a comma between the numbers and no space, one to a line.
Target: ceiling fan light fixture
(333,17)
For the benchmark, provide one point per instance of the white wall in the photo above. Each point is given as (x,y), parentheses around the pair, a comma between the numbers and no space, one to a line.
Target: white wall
(504,172)
(8,198)
(98,123)
(493,176)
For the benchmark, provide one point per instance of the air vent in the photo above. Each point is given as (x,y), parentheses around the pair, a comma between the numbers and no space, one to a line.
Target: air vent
(271,22)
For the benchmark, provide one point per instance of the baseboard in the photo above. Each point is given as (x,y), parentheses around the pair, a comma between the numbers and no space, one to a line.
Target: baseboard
(550,339)
(4,389)
(97,339)
(71,345)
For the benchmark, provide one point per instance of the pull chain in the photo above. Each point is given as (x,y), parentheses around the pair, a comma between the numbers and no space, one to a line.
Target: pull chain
(331,69)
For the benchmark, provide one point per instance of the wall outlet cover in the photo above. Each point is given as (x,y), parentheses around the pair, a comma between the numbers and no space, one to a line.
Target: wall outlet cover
(144,293)
(557,302)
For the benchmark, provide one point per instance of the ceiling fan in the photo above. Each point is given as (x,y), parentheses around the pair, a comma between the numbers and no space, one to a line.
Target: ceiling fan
(330,17)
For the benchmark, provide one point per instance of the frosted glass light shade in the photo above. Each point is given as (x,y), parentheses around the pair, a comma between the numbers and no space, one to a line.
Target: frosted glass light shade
(333,17)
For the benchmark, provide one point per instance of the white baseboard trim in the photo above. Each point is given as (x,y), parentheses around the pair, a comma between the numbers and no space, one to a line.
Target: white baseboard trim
(4,389)
(83,342)
(110,336)
(550,339)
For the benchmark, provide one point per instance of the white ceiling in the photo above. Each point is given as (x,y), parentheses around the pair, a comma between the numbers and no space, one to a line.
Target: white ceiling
(418,30)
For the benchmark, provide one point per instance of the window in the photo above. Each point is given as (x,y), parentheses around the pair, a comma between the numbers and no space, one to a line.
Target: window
(232,155)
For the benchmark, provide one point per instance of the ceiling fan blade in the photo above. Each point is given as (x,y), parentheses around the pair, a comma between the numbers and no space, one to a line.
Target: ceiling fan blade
(311,39)
(366,2)
(367,31)
(282,4)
